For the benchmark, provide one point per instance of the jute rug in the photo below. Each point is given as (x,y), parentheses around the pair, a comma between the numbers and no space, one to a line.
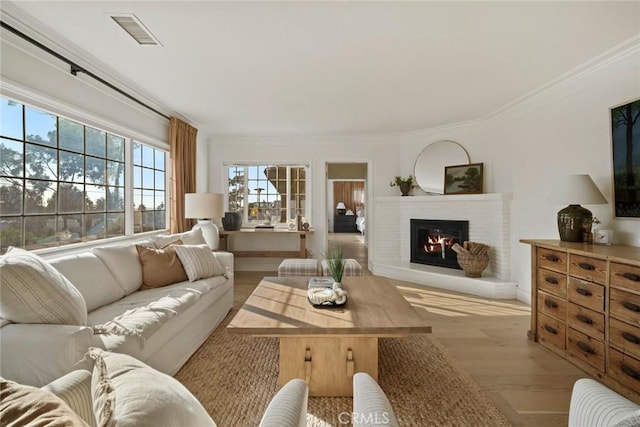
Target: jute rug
(235,377)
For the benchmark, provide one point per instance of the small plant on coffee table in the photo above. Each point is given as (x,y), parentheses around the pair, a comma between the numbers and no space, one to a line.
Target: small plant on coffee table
(335,262)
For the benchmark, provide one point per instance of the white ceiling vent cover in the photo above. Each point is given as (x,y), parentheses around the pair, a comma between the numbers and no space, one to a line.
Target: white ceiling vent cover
(136,29)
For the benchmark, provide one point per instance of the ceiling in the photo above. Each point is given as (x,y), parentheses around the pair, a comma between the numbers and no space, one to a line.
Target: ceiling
(267,68)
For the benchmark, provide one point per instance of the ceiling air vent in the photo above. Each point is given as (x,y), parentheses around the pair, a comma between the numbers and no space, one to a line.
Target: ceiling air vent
(136,29)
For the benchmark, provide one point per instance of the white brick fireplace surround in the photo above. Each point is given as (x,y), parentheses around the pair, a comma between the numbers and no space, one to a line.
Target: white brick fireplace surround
(489,223)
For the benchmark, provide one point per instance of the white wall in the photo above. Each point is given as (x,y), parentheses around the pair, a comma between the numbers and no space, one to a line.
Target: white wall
(562,130)
(379,152)
(28,72)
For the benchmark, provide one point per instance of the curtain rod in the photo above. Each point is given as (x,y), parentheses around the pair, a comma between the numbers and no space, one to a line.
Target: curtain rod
(75,68)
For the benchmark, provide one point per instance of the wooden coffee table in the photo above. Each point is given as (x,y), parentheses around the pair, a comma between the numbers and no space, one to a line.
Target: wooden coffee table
(326,346)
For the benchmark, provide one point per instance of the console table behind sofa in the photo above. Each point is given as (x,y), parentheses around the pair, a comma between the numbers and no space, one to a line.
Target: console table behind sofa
(257,233)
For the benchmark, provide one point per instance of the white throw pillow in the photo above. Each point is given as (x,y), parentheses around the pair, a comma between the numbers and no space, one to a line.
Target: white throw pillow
(91,277)
(124,263)
(35,292)
(127,392)
(199,261)
(193,237)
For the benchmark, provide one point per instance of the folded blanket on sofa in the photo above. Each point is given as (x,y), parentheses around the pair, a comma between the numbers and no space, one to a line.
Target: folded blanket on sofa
(143,321)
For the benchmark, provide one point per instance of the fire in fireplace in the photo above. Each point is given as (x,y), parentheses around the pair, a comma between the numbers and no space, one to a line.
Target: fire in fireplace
(431,241)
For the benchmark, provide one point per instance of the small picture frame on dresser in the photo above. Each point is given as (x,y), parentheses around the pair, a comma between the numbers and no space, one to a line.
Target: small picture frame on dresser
(603,237)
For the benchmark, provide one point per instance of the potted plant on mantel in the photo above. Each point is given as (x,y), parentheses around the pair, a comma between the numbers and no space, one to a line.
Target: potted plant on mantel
(405,184)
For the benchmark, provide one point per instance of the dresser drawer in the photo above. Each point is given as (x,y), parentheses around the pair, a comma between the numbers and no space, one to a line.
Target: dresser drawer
(586,321)
(551,331)
(552,260)
(587,294)
(552,282)
(624,368)
(586,348)
(624,306)
(552,305)
(587,268)
(624,336)
(625,276)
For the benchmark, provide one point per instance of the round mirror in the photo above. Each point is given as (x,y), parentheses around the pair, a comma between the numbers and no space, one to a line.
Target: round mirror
(429,167)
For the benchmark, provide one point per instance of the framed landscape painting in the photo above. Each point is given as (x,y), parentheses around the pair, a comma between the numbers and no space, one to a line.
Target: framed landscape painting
(625,142)
(463,179)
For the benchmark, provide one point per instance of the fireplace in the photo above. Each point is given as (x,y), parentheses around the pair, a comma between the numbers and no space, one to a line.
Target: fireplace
(431,241)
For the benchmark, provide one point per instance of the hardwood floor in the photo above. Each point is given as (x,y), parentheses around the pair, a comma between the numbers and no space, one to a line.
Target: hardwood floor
(488,338)
(529,384)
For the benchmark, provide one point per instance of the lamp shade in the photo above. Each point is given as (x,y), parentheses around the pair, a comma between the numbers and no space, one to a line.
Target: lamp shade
(576,190)
(203,205)
(341,206)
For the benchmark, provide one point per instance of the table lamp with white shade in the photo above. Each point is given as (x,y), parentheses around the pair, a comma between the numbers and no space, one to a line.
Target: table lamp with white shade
(341,208)
(205,207)
(574,220)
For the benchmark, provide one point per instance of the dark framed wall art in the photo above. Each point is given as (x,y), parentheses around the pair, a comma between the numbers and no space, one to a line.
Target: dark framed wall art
(463,179)
(625,143)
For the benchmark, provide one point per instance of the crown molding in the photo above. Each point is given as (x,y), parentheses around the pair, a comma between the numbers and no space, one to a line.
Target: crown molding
(609,57)
(530,100)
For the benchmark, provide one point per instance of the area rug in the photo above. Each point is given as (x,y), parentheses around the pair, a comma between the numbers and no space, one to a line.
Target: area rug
(235,377)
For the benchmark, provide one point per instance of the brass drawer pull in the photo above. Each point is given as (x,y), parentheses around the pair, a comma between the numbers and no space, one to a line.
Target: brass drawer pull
(586,266)
(551,329)
(631,338)
(551,257)
(631,276)
(586,347)
(629,371)
(584,319)
(584,292)
(631,306)
(550,304)
(551,280)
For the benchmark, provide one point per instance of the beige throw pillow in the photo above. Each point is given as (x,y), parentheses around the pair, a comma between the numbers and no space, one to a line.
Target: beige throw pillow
(22,405)
(128,393)
(199,262)
(160,267)
(35,292)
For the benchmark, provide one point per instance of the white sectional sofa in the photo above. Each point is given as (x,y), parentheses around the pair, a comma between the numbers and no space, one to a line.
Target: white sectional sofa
(161,326)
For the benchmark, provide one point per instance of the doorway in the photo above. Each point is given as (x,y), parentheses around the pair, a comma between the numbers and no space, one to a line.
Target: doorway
(346,209)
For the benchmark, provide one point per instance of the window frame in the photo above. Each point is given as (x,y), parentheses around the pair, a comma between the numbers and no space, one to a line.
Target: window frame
(69,113)
(306,206)
(143,215)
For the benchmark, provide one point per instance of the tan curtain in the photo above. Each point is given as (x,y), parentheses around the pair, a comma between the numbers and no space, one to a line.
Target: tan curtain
(182,139)
(351,193)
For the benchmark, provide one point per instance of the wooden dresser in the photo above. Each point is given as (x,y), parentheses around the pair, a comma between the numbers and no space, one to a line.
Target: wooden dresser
(585,306)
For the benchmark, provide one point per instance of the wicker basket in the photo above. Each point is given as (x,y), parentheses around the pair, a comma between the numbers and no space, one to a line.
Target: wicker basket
(473,265)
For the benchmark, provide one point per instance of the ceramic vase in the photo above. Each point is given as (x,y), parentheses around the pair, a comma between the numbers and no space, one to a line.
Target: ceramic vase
(232,221)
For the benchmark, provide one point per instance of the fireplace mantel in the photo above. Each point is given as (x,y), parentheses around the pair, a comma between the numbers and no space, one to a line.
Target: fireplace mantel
(489,223)
(444,198)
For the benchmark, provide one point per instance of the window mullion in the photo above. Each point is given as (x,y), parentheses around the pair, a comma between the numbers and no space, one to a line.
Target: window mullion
(128,187)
